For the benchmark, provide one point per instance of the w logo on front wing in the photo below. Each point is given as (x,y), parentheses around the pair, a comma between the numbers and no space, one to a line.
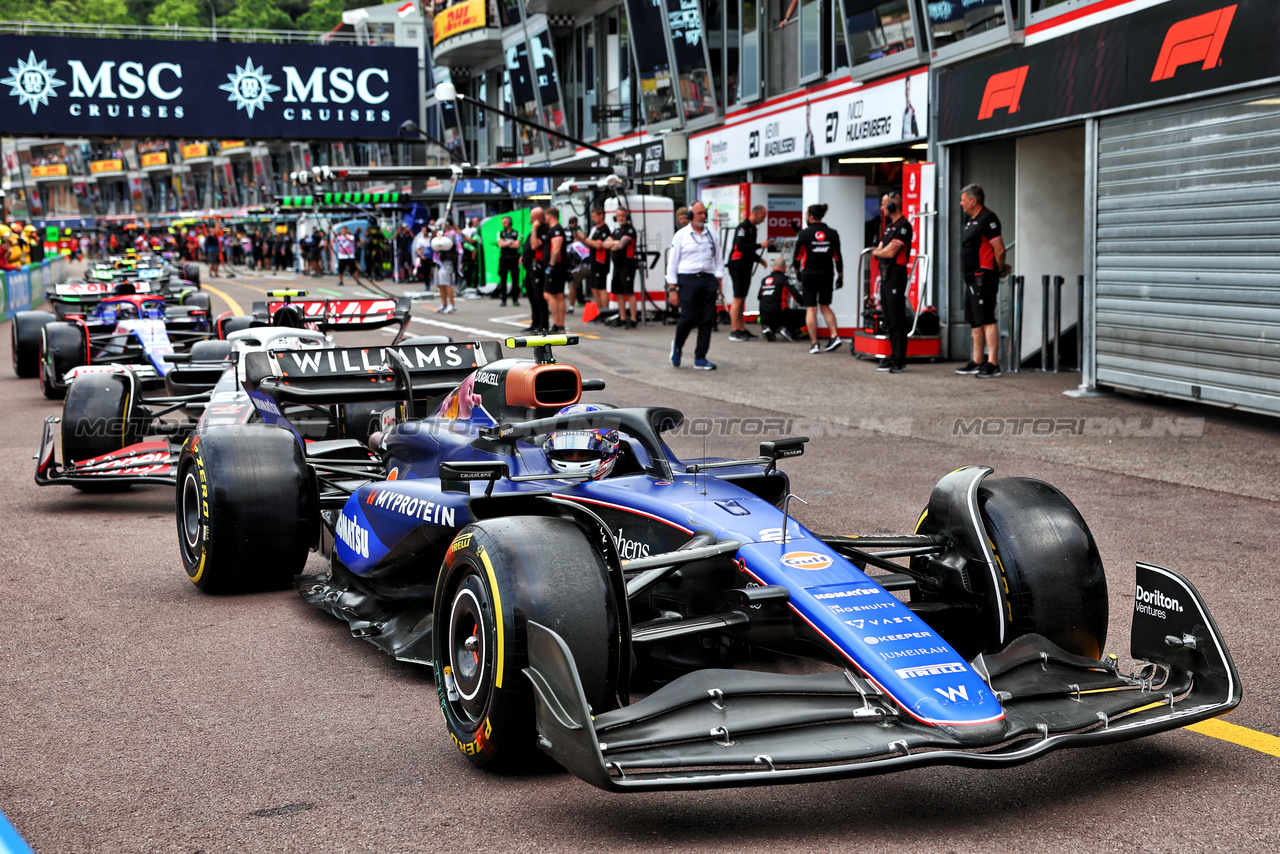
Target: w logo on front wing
(954,693)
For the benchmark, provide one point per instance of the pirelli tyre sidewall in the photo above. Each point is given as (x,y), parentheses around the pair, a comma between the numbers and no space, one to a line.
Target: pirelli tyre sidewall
(246,509)
(497,576)
(62,347)
(25,331)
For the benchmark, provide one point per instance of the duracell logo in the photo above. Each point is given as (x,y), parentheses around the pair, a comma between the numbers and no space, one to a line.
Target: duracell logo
(1197,39)
(1003,91)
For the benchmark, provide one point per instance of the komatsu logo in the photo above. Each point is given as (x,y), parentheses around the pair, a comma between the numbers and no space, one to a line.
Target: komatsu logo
(1155,603)
(352,535)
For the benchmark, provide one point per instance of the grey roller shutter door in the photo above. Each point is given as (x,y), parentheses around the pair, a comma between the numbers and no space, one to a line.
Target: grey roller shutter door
(1188,257)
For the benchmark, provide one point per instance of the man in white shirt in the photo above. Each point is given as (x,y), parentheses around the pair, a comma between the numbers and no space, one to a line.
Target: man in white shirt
(420,250)
(344,247)
(695,277)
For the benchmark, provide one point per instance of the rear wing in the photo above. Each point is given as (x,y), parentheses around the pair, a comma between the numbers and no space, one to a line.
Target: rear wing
(343,314)
(359,374)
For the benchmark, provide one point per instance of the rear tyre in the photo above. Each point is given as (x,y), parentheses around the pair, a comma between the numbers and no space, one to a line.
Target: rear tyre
(191,272)
(101,414)
(62,347)
(210,351)
(234,324)
(1049,566)
(198,299)
(25,330)
(246,510)
(500,574)
(359,421)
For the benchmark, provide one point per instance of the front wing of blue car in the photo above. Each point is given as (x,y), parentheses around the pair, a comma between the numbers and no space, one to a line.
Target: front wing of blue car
(720,728)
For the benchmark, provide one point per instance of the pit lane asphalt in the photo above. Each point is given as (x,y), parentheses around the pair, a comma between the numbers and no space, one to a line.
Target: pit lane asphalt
(139,715)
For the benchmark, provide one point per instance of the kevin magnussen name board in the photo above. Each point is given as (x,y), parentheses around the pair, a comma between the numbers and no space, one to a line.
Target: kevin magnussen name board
(78,86)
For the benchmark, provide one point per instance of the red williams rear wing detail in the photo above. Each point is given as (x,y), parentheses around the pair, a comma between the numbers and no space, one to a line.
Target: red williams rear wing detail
(145,462)
(344,314)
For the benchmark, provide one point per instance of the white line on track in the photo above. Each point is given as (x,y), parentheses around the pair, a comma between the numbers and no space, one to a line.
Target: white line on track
(488,333)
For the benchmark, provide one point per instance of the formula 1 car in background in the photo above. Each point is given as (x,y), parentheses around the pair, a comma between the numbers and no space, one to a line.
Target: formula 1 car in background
(553,561)
(116,431)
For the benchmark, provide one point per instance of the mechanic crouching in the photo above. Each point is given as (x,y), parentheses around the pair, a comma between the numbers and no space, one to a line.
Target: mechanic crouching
(774,319)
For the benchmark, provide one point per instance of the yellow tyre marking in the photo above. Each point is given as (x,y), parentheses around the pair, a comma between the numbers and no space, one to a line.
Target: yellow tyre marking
(222,295)
(497,611)
(204,502)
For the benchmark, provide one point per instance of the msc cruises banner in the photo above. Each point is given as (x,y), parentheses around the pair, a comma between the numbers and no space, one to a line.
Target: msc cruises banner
(118,87)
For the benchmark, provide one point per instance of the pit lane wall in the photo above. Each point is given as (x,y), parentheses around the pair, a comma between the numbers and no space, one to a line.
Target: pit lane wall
(22,290)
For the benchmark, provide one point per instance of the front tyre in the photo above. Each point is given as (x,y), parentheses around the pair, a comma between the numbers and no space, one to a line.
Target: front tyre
(246,509)
(62,347)
(500,574)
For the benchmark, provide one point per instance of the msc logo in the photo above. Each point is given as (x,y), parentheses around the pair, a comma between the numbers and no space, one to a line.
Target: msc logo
(1003,90)
(33,82)
(806,560)
(1197,39)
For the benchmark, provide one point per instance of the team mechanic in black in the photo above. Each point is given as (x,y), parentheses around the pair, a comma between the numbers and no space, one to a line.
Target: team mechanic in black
(743,258)
(818,259)
(893,251)
(622,246)
(557,268)
(508,263)
(774,319)
(982,263)
(599,269)
(535,254)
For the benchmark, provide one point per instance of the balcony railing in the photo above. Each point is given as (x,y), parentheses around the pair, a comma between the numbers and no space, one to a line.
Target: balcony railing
(176,33)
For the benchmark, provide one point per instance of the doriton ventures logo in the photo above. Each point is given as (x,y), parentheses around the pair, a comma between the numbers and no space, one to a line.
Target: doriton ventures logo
(33,83)
(250,87)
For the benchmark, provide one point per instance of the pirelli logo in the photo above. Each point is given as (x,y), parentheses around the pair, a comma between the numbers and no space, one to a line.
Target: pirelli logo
(1192,40)
(1003,91)
(931,670)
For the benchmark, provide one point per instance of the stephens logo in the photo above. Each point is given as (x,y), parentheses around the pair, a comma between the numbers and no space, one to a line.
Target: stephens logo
(1197,39)
(32,83)
(806,560)
(1003,90)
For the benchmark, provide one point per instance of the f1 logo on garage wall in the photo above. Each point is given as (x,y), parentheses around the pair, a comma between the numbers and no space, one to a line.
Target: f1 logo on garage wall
(1003,90)
(1197,39)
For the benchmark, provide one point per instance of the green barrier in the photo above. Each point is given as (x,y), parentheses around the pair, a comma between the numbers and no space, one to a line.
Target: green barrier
(489,230)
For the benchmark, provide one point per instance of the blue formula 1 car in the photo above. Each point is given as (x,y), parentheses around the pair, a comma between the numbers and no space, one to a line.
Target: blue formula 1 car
(652,622)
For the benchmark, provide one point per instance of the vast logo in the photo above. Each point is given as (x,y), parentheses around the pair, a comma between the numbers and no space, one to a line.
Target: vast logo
(1197,39)
(32,83)
(1003,90)
(250,87)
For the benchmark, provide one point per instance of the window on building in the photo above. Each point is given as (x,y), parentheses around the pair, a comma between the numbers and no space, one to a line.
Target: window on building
(750,44)
(878,28)
(524,100)
(585,82)
(953,20)
(811,20)
(658,99)
(688,46)
(553,109)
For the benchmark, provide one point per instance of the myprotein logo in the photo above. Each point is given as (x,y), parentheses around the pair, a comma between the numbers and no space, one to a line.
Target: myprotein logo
(1003,91)
(1192,40)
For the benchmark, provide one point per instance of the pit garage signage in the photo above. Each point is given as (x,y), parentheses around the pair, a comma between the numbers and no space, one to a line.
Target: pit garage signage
(867,117)
(86,87)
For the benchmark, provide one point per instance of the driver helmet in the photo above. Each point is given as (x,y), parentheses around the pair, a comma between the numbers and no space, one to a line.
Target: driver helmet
(589,452)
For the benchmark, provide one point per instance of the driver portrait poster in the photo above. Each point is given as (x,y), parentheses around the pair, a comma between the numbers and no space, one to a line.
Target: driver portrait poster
(59,86)
(847,120)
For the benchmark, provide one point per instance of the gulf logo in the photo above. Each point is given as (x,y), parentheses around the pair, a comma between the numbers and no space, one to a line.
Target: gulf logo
(806,560)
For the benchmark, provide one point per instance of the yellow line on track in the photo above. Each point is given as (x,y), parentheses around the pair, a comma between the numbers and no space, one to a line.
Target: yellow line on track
(230,301)
(1243,736)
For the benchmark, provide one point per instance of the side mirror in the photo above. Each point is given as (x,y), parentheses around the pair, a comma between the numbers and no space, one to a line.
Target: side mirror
(457,477)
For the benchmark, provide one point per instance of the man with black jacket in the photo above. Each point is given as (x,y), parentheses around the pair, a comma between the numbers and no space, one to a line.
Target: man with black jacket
(741,264)
(818,260)
(508,263)
(893,252)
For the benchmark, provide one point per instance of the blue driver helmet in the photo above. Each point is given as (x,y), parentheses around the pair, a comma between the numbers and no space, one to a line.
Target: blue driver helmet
(583,452)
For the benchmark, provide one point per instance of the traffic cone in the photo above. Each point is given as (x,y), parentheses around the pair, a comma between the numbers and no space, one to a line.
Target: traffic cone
(590,313)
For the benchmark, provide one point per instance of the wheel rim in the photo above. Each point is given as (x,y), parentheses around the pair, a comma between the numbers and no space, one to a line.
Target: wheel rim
(467,649)
(191,511)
